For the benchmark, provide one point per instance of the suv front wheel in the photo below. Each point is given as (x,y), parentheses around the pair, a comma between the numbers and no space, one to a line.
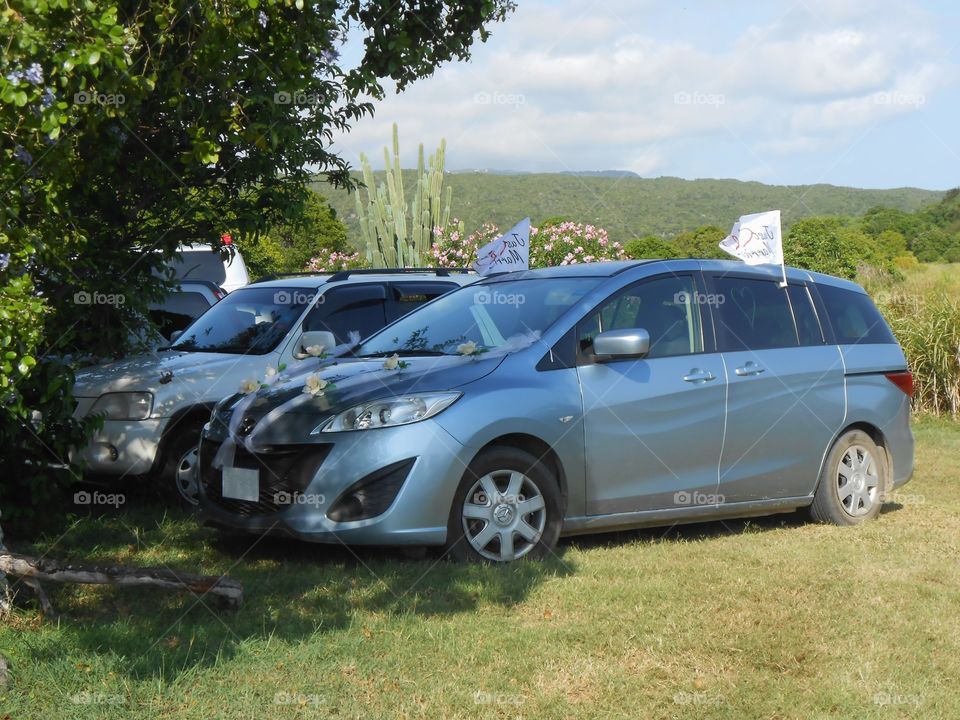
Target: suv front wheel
(179,472)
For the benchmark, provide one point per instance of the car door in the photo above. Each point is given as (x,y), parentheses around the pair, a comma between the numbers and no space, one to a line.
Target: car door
(785,388)
(653,427)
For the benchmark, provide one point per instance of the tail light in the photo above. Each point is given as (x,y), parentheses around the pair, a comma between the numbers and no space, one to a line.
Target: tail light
(903,380)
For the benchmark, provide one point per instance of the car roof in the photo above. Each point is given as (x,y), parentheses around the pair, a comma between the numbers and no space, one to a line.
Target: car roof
(315,281)
(609,269)
(596,269)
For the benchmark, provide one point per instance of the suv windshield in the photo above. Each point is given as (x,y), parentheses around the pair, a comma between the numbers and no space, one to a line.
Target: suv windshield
(250,320)
(493,316)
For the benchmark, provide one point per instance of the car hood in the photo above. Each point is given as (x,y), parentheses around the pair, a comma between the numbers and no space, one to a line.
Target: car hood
(146,372)
(352,382)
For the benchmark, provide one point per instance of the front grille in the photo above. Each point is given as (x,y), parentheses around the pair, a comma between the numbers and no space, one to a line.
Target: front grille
(284,470)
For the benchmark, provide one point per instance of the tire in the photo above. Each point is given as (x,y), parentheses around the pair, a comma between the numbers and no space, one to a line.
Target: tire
(853,481)
(524,519)
(179,460)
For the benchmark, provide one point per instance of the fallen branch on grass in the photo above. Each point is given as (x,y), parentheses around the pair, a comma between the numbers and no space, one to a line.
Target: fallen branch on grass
(230,592)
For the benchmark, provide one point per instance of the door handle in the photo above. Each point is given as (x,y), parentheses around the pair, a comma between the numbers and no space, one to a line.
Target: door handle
(751,368)
(697,376)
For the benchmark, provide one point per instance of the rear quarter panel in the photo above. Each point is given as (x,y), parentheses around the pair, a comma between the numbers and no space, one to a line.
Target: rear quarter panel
(873,399)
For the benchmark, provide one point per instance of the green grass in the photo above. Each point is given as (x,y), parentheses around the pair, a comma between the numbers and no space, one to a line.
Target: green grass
(771,618)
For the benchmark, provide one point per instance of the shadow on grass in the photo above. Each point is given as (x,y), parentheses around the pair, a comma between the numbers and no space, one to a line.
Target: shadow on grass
(292,590)
(702,530)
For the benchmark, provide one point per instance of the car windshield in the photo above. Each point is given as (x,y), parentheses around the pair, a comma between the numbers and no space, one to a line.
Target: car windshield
(248,321)
(496,316)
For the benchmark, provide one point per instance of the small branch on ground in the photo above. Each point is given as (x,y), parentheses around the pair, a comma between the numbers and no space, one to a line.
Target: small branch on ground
(229,591)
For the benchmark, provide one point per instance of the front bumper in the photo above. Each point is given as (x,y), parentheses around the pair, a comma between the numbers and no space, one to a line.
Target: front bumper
(417,516)
(122,447)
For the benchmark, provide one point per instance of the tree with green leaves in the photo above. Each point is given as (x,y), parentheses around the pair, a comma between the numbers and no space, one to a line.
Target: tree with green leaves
(651,247)
(129,127)
(315,231)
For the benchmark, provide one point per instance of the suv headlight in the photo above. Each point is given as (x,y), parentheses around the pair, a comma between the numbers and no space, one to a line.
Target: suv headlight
(389,412)
(123,406)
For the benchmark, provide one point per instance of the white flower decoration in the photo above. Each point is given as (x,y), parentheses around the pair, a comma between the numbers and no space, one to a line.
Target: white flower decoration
(314,385)
(314,350)
(467,348)
(249,386)
(392,362)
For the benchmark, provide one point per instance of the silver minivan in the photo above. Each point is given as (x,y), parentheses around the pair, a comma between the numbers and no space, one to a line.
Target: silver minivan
(572,400)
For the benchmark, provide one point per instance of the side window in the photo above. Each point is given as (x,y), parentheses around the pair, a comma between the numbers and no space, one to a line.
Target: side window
(854,317)
(409,296)
(665,307)
(753,315)
(346,309)
(808,327)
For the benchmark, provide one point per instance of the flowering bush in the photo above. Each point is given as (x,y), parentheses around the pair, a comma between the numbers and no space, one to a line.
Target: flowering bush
(565,243)
(334,261)
(569,243)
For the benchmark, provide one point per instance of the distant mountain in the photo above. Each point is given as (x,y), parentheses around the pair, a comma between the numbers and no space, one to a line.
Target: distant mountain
(630,206)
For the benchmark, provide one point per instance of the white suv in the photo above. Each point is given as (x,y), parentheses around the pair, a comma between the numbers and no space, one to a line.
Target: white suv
(154,406)
(225,267)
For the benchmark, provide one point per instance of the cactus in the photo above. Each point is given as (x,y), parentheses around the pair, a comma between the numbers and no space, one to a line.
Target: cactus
(385,217)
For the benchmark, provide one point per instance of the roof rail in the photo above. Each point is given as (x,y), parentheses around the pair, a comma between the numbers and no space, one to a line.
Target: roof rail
(281,276)
(440,272)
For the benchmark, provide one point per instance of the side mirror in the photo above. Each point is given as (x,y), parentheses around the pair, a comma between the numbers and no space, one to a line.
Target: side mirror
(615,344)
(175,334)
(323,338)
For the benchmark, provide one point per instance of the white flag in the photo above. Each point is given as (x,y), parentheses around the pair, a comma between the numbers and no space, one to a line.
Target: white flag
(756,239)
(510,251)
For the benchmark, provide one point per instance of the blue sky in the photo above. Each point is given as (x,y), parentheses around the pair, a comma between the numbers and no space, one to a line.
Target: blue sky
(847,92)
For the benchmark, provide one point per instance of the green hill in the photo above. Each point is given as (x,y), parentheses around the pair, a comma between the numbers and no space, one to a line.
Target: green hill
(633,207)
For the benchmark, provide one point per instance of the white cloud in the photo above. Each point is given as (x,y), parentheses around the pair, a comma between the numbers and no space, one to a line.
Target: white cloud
(574,85)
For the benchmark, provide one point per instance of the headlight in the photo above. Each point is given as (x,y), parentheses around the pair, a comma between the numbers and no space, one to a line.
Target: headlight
(124,406)
(389,412)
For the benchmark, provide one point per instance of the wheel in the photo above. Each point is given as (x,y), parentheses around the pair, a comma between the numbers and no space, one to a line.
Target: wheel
(853,482)
(507,507)
(178,474)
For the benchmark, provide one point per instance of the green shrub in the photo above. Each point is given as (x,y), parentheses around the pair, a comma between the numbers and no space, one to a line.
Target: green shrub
(650,247)
(316,231)
(907,261)
(263,256)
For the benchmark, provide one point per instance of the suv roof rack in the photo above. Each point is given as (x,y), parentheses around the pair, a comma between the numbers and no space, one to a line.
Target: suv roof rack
(280,276)
(440,272)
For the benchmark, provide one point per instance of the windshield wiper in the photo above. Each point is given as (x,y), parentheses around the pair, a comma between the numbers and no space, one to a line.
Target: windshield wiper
(404,353)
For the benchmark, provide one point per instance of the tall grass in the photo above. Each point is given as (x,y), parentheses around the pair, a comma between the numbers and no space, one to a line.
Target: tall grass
(923,309)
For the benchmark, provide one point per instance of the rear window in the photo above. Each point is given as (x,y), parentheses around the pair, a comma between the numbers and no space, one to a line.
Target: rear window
(854,317)
(753,315)
(808,327)
(199,265)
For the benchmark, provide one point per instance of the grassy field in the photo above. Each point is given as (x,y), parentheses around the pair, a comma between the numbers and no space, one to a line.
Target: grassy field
(773,618)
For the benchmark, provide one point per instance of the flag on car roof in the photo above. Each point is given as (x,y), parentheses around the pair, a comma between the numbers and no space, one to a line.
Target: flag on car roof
(756,239)
(510,251)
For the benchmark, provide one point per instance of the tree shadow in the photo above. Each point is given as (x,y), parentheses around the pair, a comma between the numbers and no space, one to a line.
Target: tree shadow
(292,590)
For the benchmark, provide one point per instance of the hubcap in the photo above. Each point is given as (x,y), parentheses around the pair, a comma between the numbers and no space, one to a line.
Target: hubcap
(858,481)
(504,515)
(186,478)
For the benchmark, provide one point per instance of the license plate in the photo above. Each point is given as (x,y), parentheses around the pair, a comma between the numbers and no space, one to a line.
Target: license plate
(241,484)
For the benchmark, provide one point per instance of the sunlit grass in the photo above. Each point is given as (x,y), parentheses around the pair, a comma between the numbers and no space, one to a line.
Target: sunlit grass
(766,618)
